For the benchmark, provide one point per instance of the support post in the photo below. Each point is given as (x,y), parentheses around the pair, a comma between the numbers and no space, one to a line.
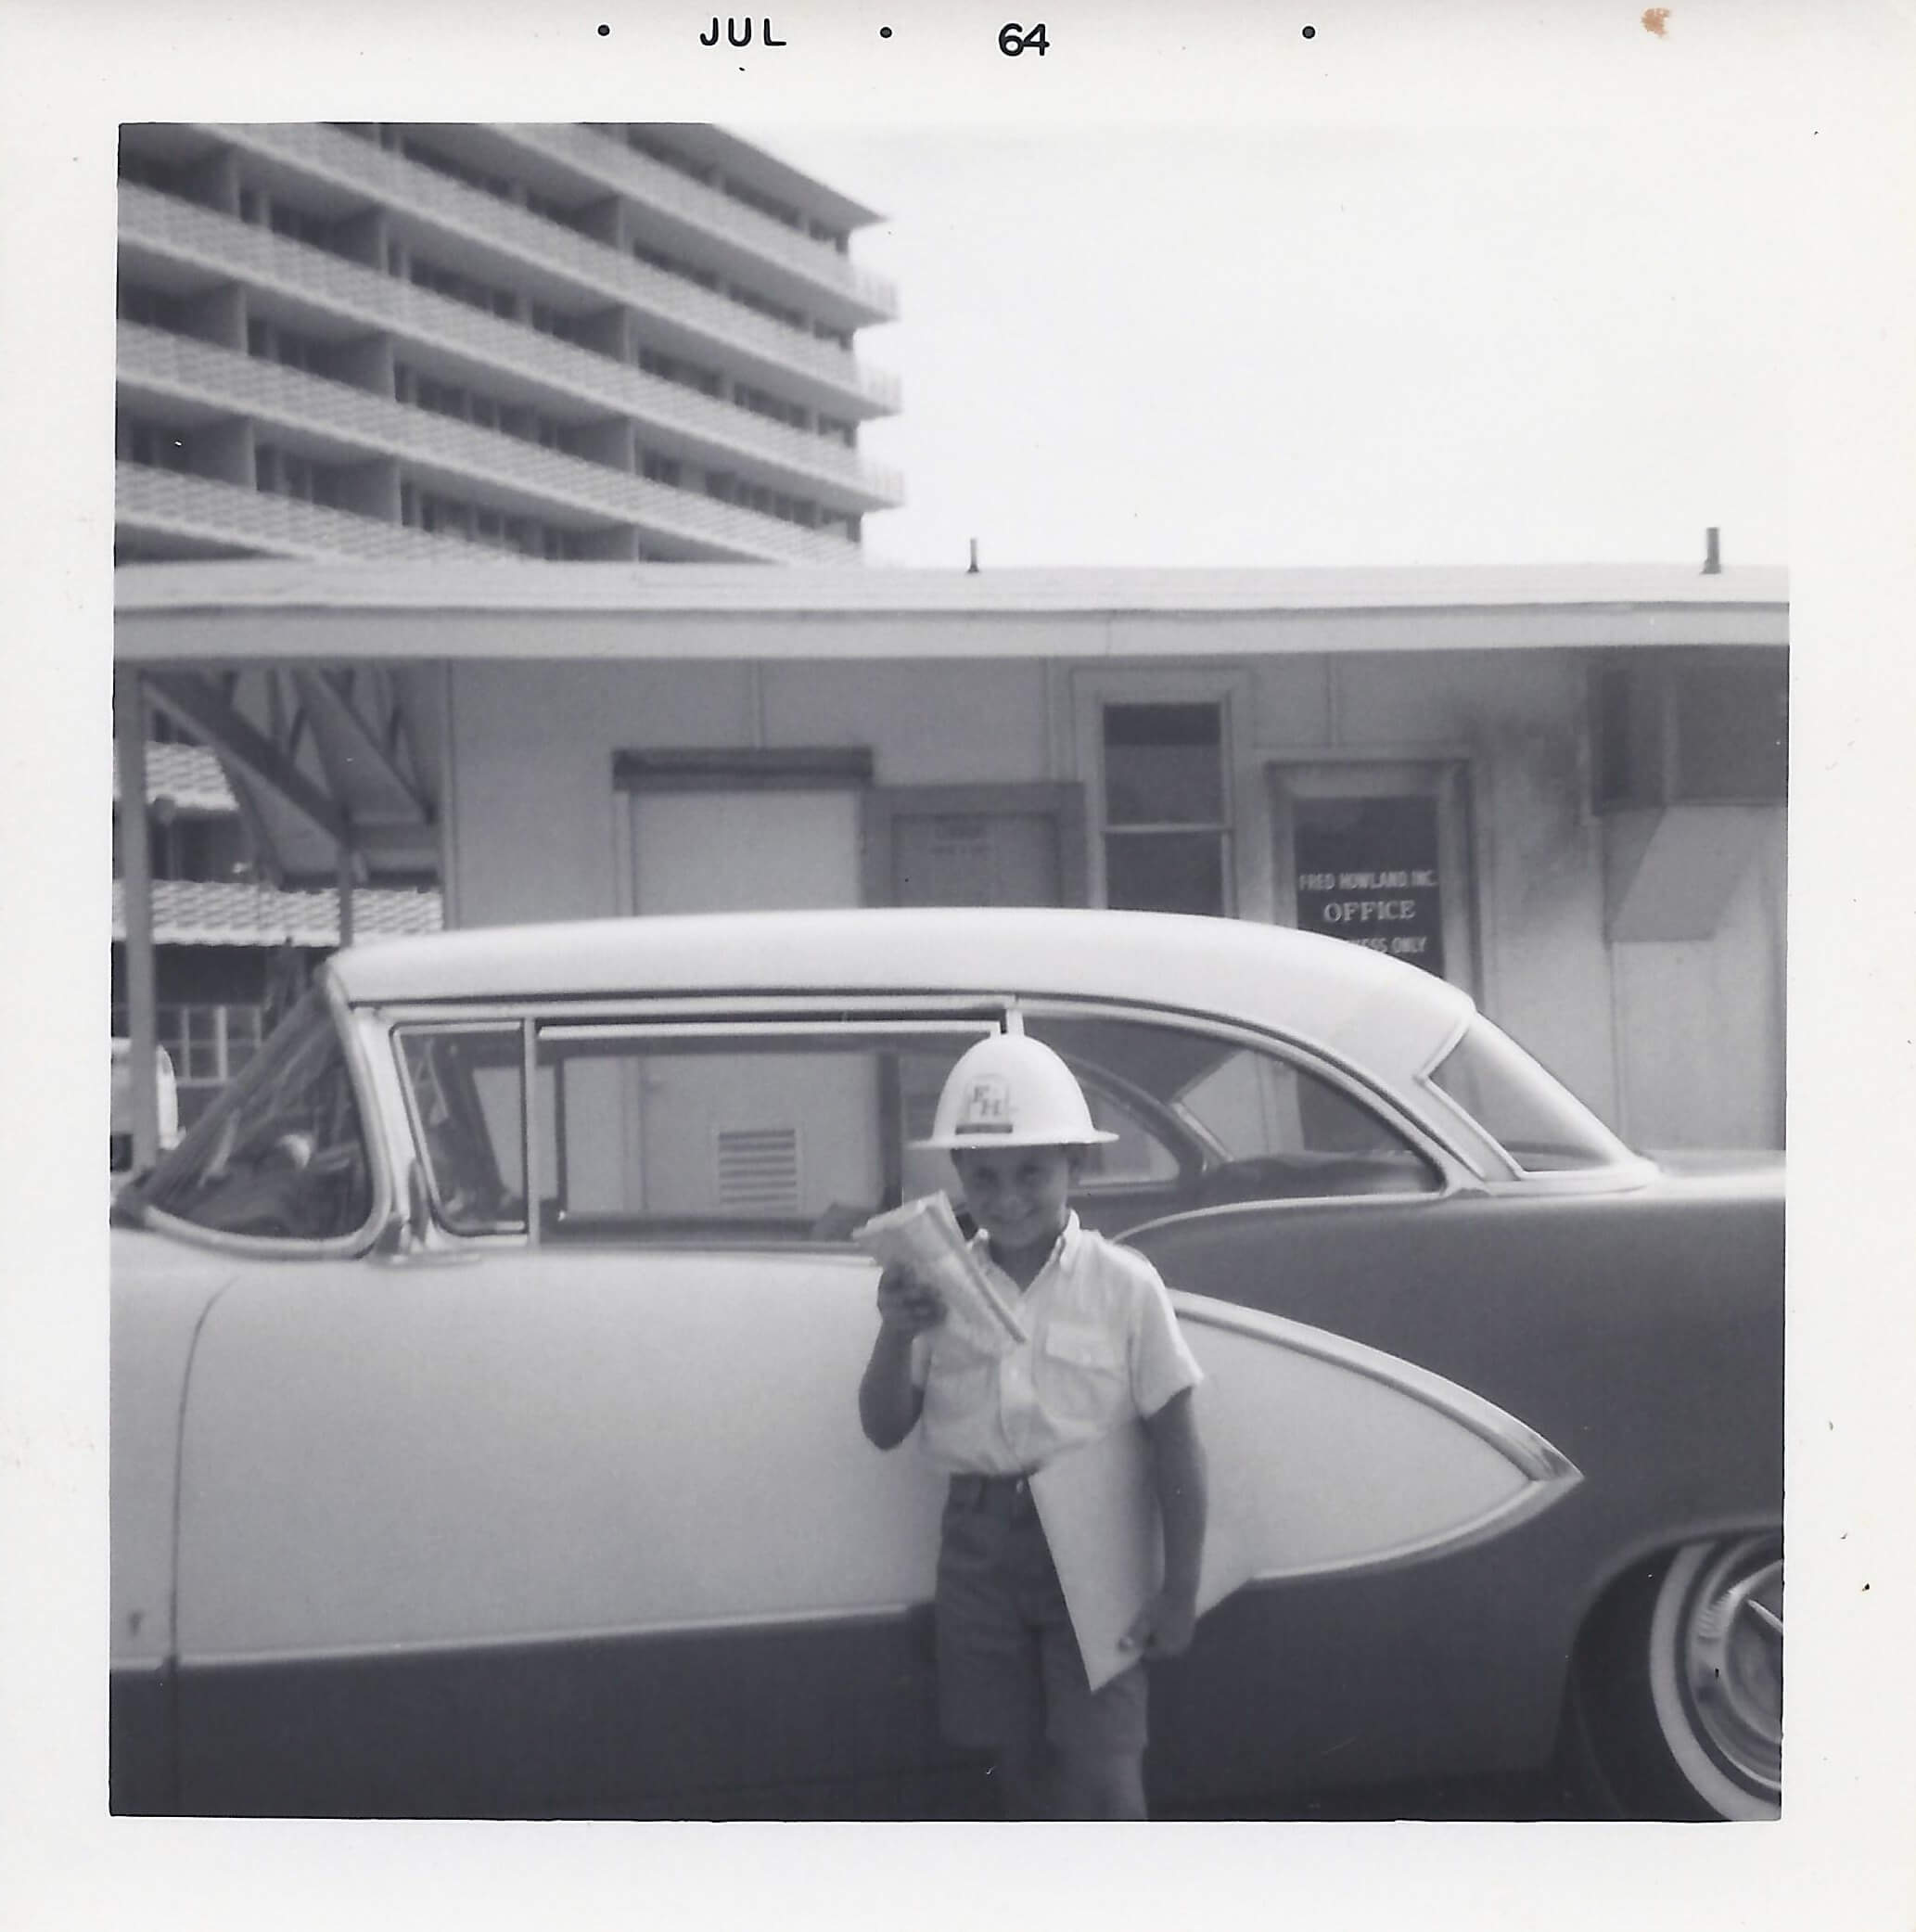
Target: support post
(136,899)
(346,870)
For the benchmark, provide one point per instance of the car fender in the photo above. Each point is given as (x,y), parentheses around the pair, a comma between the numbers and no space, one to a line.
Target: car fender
(161,1297)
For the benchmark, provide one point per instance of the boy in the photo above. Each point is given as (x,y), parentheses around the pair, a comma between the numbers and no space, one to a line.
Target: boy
(1102,1349)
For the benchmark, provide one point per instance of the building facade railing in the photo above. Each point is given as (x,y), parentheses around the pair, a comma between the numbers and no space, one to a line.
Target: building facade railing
(595,268)
(228,516)
(219,244)
(540,480)
(643,179)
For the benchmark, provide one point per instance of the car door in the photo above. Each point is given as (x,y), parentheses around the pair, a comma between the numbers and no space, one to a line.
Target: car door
(577,1518)
(559,1533)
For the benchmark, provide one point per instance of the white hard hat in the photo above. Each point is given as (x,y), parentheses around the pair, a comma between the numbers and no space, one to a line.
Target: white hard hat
(1011,1092)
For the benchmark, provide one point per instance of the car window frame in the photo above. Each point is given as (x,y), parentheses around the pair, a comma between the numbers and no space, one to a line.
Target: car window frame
(420,1150)
(337,1014)
(704,1014)
(1455,1171)
(803,1020)
(1630,1171)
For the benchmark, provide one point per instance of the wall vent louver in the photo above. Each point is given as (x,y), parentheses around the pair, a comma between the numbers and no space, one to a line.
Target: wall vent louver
(758,1170)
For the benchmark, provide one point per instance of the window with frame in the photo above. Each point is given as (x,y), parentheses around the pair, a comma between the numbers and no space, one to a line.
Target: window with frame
(714,1134)
(466,1089)
(281,472)
(1166,818)
(1204,1119)
(1536,1120)
(210,1043)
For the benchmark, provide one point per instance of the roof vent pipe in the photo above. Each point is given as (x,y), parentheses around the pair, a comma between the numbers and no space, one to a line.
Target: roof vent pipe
(971,569)
(1712,556)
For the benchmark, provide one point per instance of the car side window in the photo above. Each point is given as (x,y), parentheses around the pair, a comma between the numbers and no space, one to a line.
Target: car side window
(282,1154)
(1226,1121)
(466,1090)
(1138,1157)
(720,1134)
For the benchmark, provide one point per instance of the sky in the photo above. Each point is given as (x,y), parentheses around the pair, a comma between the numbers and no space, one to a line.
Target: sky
(1255,345)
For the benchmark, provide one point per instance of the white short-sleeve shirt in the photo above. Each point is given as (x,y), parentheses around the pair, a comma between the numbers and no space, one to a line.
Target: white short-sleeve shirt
(1102,1349)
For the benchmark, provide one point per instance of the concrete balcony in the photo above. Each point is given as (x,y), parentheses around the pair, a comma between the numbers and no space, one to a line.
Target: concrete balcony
(342,424)
(557,375)
(223,517)
(858,295)
(571,267)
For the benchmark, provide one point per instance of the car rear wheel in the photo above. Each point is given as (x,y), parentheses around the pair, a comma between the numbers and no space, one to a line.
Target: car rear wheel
(1679,1688)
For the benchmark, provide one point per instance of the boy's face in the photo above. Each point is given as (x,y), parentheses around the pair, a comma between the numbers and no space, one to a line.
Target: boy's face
(1019,1195)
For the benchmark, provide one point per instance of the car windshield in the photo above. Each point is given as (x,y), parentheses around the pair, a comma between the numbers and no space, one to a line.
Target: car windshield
(281,1155)
(1530,1113)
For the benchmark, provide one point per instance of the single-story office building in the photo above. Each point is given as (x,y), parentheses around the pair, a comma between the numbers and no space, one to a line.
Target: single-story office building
(1563,789)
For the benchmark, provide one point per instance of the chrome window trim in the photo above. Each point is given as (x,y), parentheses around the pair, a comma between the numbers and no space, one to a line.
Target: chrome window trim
(421,1151)
(803,1017)
(529,1127)
(1626,1170)
(799,1029)
(1472,1131)
(1346,1079)
(649,1007)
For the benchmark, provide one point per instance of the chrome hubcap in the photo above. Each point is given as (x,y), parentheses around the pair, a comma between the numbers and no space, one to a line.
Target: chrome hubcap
(1732,1659)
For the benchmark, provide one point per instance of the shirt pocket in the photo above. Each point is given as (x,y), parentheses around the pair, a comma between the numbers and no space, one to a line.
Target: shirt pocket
(1086,1374)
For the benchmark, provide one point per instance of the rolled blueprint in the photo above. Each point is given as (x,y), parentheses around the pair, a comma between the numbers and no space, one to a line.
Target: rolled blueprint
(923,1236)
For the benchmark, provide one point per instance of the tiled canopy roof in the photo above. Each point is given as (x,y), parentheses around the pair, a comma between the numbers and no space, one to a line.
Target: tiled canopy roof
(187,774)
(223,913)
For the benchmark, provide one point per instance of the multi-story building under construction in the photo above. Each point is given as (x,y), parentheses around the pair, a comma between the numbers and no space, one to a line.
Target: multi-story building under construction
(614,341)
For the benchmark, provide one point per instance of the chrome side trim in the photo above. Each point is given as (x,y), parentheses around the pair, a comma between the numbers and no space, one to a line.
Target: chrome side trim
(1534,1455)
(548,1640)
(1307,1204)
(1531,1500)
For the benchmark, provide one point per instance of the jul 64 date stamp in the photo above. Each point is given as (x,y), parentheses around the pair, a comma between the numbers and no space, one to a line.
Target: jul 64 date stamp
(732,31)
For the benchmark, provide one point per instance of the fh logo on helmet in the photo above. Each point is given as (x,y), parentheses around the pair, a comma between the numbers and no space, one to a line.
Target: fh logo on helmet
(987,1107)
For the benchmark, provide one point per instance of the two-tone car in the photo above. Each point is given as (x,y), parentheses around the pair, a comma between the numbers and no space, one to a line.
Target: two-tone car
(484,1431)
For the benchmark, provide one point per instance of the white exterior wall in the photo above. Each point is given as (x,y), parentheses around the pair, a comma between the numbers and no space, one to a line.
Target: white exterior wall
(927,722)
(539,832)
(1700,1022)
(1676,1044)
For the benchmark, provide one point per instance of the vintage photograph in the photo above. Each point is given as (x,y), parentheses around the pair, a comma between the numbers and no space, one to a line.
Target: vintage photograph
(959,941)
(500,557)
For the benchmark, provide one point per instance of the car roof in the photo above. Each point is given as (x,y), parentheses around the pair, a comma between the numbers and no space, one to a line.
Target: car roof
(1352,1002)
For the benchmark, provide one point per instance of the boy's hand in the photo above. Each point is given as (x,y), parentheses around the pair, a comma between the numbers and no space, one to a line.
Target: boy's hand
(908,1304)
(1163,1628)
